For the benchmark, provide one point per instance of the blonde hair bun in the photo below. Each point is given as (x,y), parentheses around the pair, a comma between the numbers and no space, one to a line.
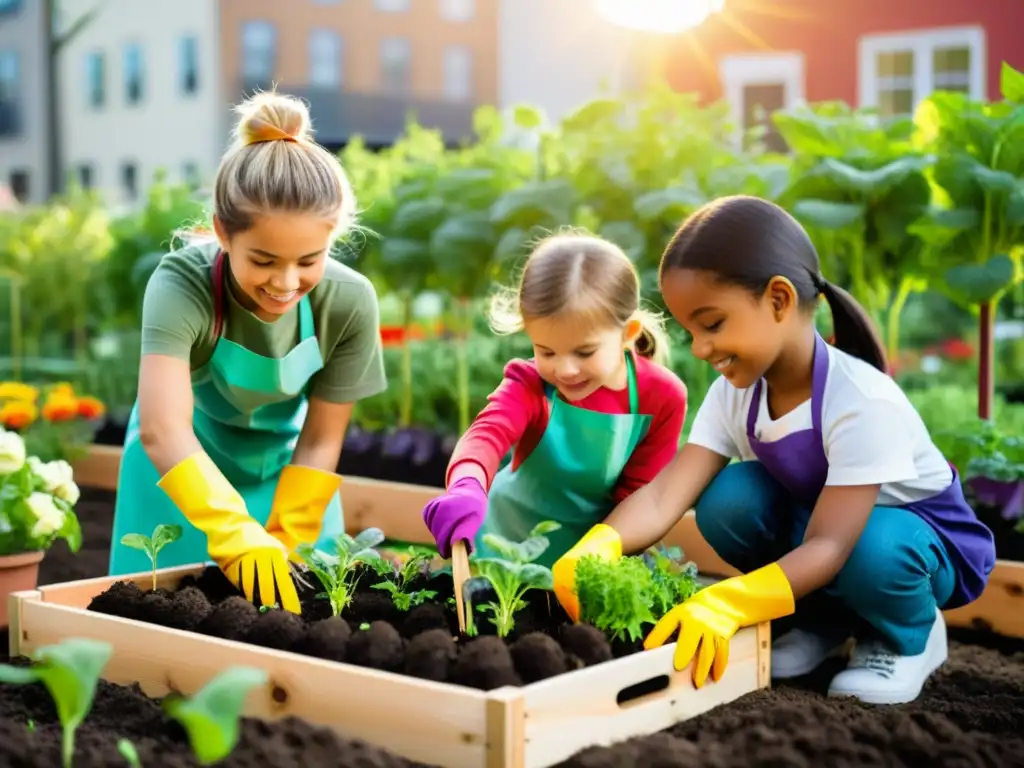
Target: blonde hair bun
(272,116)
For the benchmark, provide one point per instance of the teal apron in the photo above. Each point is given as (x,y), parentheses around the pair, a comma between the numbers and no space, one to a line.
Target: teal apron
(249,411)
(569,477)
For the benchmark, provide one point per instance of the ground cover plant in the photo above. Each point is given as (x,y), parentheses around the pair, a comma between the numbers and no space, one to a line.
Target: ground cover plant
(363,608)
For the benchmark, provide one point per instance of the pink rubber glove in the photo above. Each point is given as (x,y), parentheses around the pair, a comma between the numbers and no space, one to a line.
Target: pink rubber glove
(458,514)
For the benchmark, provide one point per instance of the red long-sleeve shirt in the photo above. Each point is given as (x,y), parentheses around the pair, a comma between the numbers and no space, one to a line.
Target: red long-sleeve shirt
(517,415)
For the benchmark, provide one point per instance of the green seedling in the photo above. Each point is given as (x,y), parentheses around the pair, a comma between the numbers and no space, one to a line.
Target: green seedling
(512,575)
(616,596)
(337,572)
(162,536)
(417,563)
(129,753)
(70,671)
(211,717)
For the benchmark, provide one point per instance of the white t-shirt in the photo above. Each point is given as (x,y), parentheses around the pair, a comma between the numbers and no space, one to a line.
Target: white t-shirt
(870,431)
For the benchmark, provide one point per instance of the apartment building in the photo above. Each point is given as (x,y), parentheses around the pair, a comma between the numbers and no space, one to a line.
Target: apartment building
(363,65)
(139,92)
(24,122)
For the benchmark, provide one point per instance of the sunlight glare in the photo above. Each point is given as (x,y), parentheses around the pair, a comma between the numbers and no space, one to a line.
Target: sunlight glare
(666,16)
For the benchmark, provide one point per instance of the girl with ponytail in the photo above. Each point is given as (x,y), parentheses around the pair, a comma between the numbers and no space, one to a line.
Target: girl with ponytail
(809,470)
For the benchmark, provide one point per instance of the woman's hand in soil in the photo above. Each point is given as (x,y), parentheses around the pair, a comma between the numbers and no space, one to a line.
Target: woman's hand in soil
(240,546)
(708,620)
(601,540)
(457,514)
(302,495)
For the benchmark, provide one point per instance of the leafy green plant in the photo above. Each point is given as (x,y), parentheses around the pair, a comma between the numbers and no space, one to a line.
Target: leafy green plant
(128,751)
(151,545)
(70,670)
(211,717)
(417,564)
(512,575)
(621,596)
(337,572)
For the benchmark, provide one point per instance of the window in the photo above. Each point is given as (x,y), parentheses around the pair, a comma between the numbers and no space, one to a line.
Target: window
(133,73)
(10,94)
(395,53)
(758,84)
(96,79)
(85,175)
(325,52)
(130,180)
(20,187)
(458,73)
(457,10)
(190,174)
(391,6)
(259,54)
(898,71)
(188,61)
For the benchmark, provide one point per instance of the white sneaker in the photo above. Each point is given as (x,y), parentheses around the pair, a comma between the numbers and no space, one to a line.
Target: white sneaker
(800,652)
(876,675)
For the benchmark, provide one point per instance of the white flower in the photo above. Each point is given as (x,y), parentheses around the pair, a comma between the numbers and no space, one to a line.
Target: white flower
(49,517)
(57,477)
(12,452)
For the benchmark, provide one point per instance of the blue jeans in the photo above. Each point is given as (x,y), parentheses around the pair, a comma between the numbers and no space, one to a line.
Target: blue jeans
(889,588)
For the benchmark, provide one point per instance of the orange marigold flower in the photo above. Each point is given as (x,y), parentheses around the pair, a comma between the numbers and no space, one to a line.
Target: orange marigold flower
(18,414)
(90,407)
(59,406)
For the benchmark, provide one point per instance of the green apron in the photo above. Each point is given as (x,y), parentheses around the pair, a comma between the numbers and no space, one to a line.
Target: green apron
(249,411)
(569,477)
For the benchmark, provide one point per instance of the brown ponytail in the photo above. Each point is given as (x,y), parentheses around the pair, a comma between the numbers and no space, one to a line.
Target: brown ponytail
(854,330)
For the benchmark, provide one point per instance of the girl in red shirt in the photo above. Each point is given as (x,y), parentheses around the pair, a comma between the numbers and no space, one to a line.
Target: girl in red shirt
(592,417)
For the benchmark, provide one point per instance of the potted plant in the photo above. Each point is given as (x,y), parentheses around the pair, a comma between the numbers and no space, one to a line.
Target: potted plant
(37,507)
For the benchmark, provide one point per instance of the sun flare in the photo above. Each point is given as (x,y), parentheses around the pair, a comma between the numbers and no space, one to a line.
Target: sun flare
(667,16)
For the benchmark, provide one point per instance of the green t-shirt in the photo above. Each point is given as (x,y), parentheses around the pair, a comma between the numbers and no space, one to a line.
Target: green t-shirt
(178,319)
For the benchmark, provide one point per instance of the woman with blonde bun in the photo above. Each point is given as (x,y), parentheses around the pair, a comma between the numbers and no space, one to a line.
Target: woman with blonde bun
(255,346)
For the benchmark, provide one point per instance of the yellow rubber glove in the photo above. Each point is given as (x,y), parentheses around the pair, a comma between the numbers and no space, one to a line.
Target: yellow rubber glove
(297,514)
(240,546)
(601,540)
(712,616)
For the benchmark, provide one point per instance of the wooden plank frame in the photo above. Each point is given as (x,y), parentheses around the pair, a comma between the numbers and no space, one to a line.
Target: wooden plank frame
(531,726)
(396,509)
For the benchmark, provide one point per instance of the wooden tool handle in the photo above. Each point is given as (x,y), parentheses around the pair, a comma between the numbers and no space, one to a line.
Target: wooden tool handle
(460,574)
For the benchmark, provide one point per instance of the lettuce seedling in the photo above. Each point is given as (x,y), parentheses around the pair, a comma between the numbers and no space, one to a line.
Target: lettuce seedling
(70,671)
(211,717)
(674,580)
(616,596)
(162,536)
(512,575)
(337,572)
(416,565)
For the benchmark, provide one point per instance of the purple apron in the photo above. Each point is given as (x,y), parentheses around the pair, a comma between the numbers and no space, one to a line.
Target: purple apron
(799,463)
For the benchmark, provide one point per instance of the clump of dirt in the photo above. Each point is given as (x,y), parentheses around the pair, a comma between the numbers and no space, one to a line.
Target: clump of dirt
(430,655)
(327,639)
(485,663)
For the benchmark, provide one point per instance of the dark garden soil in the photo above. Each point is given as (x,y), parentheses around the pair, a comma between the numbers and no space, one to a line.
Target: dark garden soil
(970,713)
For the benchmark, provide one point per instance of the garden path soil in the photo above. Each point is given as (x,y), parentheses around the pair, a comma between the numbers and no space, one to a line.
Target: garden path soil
(969,715)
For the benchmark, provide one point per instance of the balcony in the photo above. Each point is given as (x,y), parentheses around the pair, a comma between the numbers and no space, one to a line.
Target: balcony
(10,119)
(378,118)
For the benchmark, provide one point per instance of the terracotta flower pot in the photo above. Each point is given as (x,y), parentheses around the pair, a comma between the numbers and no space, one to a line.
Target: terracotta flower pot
(17,573)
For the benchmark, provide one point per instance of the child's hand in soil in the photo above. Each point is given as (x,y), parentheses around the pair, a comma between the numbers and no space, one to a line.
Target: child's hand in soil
(708,620)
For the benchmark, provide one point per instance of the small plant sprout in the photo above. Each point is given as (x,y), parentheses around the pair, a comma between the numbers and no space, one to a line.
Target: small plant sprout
(211,717)
(511,575)
(70,671)
(162,536)
(337,572)
(128,751)
(417,563)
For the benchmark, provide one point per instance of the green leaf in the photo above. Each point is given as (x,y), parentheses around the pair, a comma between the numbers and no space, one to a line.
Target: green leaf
(544,527)
(627,236)
(669,205)
(211,717)
(872,183)
(829,215)
(164,535)
(979,283)
(538,203)
(939,227)
(140,542)
(369,538)
(416,219)
(1011,83)
(534,576)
